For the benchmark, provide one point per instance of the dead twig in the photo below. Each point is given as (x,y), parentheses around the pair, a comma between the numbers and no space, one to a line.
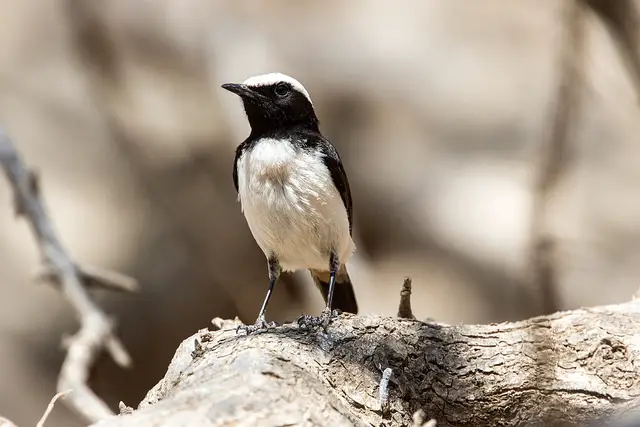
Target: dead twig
(50,407)
(555,156)
(96,330)
(91,277)
(6,423)
(622,19)
(384,390)
(404,309)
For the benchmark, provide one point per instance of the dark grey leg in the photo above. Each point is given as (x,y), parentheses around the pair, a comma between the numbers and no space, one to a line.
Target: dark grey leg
(261,323)
(334,265)
(274,273)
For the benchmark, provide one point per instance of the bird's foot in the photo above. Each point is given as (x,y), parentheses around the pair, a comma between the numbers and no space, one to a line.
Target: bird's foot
(259,326)
(323,320)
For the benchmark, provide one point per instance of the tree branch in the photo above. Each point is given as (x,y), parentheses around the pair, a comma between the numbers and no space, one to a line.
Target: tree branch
(50,406)
(555,157)
(96,330)
(91,277)
(6,423)
(622,19)
(569,368)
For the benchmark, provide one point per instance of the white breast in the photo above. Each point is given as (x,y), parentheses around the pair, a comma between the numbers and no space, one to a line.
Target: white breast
(292,207)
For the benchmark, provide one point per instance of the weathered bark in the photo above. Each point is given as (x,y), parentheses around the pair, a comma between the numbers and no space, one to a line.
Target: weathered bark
(568,368)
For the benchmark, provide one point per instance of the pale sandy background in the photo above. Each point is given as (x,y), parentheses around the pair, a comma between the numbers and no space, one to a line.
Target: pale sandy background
(439,109)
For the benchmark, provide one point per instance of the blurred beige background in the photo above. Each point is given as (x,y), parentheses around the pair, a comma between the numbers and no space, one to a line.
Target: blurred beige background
(439,108)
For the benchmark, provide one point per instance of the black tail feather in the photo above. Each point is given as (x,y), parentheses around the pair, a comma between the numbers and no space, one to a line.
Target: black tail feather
(344,298)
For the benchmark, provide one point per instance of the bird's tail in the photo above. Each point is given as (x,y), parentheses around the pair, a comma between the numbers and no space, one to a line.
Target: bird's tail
(344,299)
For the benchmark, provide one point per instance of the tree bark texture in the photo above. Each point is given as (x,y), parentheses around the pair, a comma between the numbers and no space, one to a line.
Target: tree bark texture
(569,368)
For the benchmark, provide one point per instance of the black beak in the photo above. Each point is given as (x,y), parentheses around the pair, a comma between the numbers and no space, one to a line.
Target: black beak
(241,90)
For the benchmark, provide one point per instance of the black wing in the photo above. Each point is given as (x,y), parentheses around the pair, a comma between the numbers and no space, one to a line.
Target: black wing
(339,177)
(241,148)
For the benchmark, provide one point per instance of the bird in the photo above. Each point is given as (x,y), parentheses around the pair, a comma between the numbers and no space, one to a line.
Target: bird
(293,191)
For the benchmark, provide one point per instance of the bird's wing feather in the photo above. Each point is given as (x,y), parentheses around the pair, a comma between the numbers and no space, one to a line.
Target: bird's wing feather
(241,149)
(339,176)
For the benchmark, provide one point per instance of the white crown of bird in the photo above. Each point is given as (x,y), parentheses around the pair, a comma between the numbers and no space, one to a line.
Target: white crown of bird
(275,78)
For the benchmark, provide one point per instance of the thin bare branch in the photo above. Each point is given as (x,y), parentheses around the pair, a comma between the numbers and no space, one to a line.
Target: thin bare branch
(96,330)
(6,423)
(92,277)
(555,156)
(50,406)
(622,19)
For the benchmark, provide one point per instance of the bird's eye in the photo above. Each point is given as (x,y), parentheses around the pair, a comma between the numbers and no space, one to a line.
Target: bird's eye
(281,89)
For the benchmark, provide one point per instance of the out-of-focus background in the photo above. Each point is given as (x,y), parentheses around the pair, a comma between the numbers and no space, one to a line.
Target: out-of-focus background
(448,115)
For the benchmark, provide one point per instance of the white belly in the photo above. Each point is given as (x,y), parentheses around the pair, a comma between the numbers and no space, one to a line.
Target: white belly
(293,209)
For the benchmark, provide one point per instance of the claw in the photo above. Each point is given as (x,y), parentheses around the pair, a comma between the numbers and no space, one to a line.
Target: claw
(325,318)
(260,325)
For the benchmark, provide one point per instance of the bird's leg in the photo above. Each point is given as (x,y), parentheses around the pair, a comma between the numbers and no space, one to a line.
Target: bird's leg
(274,273)
(334,265)
(327,313)
(325,317)
(261,323)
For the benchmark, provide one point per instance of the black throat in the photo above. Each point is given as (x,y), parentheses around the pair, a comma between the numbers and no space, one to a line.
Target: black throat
(279,122)
(269,113)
